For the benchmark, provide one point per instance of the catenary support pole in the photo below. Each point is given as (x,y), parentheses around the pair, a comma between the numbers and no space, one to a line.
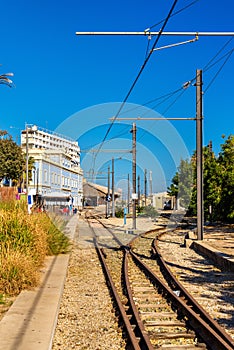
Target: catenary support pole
(108,195)
(138,190)
(199,119)
(27,162)
(145,187)
(128,200)
(133,131)
(113,188)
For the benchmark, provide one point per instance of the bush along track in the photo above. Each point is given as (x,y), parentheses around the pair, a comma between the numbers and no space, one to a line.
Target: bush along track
(25,240)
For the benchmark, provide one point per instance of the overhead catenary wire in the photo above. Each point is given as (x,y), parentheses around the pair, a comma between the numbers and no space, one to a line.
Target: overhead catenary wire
(138,75)
(213,64)
(217,73)
(208,65)
(174,14)
(165,97)
(190,82)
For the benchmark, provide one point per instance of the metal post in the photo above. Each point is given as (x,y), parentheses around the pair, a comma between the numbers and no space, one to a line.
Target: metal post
(108,195)
(138,191)
(113,188)
(151,187)
(27,162)
(199,118)
(133,175)
(145,187)
(37,179)
(128,203)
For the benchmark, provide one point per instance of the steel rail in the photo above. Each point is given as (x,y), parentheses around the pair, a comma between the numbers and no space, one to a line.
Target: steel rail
(144,341)
(139,332)
(131,335)
(134,343)
(213,340)
(187,297)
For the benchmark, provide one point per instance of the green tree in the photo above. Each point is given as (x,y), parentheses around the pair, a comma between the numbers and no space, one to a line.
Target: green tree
(182,183)
(226,164)
(11,158)
(218,183)
(212,187)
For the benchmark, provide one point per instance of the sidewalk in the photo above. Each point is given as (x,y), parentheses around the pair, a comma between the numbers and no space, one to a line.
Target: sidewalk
(31,320)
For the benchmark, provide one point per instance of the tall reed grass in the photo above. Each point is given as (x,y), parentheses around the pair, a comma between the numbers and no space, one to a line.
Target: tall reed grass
(25,240)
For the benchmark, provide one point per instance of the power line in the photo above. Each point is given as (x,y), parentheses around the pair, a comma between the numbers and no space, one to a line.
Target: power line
(217,73)
(174,14)
(190,82)
(207,66)
(212,65)
(138,75)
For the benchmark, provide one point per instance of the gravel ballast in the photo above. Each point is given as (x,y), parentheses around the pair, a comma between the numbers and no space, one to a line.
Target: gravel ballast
(87,318)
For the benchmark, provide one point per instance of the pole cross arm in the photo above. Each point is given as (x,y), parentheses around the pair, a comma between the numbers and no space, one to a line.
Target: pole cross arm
(156,118)
(147,33)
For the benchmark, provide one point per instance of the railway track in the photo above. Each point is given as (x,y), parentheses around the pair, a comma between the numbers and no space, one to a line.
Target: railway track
(155,310)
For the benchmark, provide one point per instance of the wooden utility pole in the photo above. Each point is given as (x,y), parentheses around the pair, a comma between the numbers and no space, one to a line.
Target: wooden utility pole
(199,119)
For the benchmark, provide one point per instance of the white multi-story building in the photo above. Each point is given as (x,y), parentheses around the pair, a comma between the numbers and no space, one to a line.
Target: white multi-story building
(57,175)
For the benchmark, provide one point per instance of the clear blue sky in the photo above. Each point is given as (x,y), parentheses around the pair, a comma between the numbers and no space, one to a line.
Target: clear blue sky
(58,74)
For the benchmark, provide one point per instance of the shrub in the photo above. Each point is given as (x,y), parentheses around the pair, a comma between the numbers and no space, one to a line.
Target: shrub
(149,211)
(25,240)
(119,212)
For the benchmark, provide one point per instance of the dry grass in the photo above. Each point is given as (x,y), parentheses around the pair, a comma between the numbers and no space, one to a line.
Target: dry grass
(25,240)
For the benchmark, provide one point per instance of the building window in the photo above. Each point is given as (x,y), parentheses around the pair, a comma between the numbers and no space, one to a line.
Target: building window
(45,175)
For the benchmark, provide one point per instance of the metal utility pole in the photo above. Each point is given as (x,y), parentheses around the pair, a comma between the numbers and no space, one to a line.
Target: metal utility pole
(27,162)
(145,181)
(128,194)
(133,131)
(108,195)
(199,119)
(113,188)
(151,187)
(138,190)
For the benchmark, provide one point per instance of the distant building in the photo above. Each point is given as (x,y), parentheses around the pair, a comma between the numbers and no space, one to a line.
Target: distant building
(163,201)
(95,195)
(57,175)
